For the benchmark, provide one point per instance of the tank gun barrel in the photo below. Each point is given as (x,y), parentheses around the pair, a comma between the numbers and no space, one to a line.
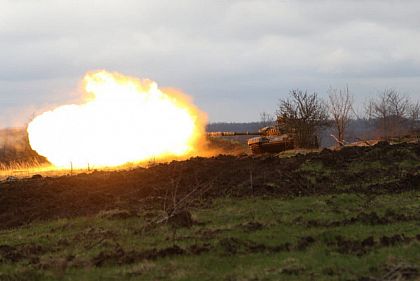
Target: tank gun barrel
(231,134)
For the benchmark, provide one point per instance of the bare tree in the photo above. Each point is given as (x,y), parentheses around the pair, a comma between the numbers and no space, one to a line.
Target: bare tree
(400,106)
(341,108)
(390,110)
(266,119)
(414,116)
(303,115)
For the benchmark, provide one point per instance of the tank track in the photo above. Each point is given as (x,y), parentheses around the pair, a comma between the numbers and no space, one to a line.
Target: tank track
(256,148)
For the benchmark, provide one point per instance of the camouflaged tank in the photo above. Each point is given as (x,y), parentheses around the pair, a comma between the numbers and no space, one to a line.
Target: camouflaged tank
(270,139)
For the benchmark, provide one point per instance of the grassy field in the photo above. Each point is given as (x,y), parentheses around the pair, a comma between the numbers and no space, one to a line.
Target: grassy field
(352,214)
(331,237)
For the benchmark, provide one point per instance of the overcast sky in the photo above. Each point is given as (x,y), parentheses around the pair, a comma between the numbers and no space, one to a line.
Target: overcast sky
(235,58)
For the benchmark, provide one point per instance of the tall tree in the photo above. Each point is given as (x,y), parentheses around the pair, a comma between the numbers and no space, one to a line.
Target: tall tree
(341,107)
(303,115)
(414,116)
(390,110)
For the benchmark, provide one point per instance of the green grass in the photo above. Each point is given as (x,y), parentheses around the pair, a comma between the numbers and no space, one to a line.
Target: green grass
(228,229)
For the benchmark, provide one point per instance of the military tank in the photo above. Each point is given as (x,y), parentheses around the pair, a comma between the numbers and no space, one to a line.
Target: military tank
(270,139)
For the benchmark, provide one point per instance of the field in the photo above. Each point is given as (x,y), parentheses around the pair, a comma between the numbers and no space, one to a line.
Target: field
(352,214)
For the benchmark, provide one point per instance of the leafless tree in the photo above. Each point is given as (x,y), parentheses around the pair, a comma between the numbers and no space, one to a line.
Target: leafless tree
(414,116)
(266,119)
(303,115)
(341,108)
(390,109)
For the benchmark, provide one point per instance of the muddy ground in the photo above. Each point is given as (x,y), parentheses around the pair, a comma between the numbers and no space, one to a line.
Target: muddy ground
(380,169)
(351,214)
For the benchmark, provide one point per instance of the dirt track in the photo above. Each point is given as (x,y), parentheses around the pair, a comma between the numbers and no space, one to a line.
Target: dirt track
(369,170)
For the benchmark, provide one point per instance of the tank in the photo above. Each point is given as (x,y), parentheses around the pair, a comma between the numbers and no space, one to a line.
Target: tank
(270,139)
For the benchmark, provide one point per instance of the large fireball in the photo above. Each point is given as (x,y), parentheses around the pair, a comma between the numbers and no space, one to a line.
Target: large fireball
(123,120)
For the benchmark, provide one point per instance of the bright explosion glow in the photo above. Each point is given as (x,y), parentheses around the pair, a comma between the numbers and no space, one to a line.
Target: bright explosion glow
(124,120)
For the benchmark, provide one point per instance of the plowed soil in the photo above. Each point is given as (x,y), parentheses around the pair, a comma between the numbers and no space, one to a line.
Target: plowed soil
(368,170)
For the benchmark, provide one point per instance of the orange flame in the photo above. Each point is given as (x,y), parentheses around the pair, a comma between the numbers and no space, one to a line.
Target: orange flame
(123,120)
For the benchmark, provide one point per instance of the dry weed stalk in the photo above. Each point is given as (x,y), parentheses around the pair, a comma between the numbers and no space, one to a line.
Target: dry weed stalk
(178,205)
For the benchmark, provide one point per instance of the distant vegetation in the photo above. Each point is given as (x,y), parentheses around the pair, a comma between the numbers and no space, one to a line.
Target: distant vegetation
(235,126)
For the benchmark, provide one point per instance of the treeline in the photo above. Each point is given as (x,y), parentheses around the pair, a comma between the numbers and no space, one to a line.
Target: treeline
(236,127)
(388,115)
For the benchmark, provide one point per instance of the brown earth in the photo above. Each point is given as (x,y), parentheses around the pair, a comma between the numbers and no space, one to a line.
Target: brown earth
(198,180)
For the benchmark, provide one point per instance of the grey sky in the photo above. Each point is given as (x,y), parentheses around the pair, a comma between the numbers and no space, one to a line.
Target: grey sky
(235,58)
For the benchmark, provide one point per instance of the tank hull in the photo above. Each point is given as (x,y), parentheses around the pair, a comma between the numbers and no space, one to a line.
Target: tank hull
(269,144)
(270,148)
